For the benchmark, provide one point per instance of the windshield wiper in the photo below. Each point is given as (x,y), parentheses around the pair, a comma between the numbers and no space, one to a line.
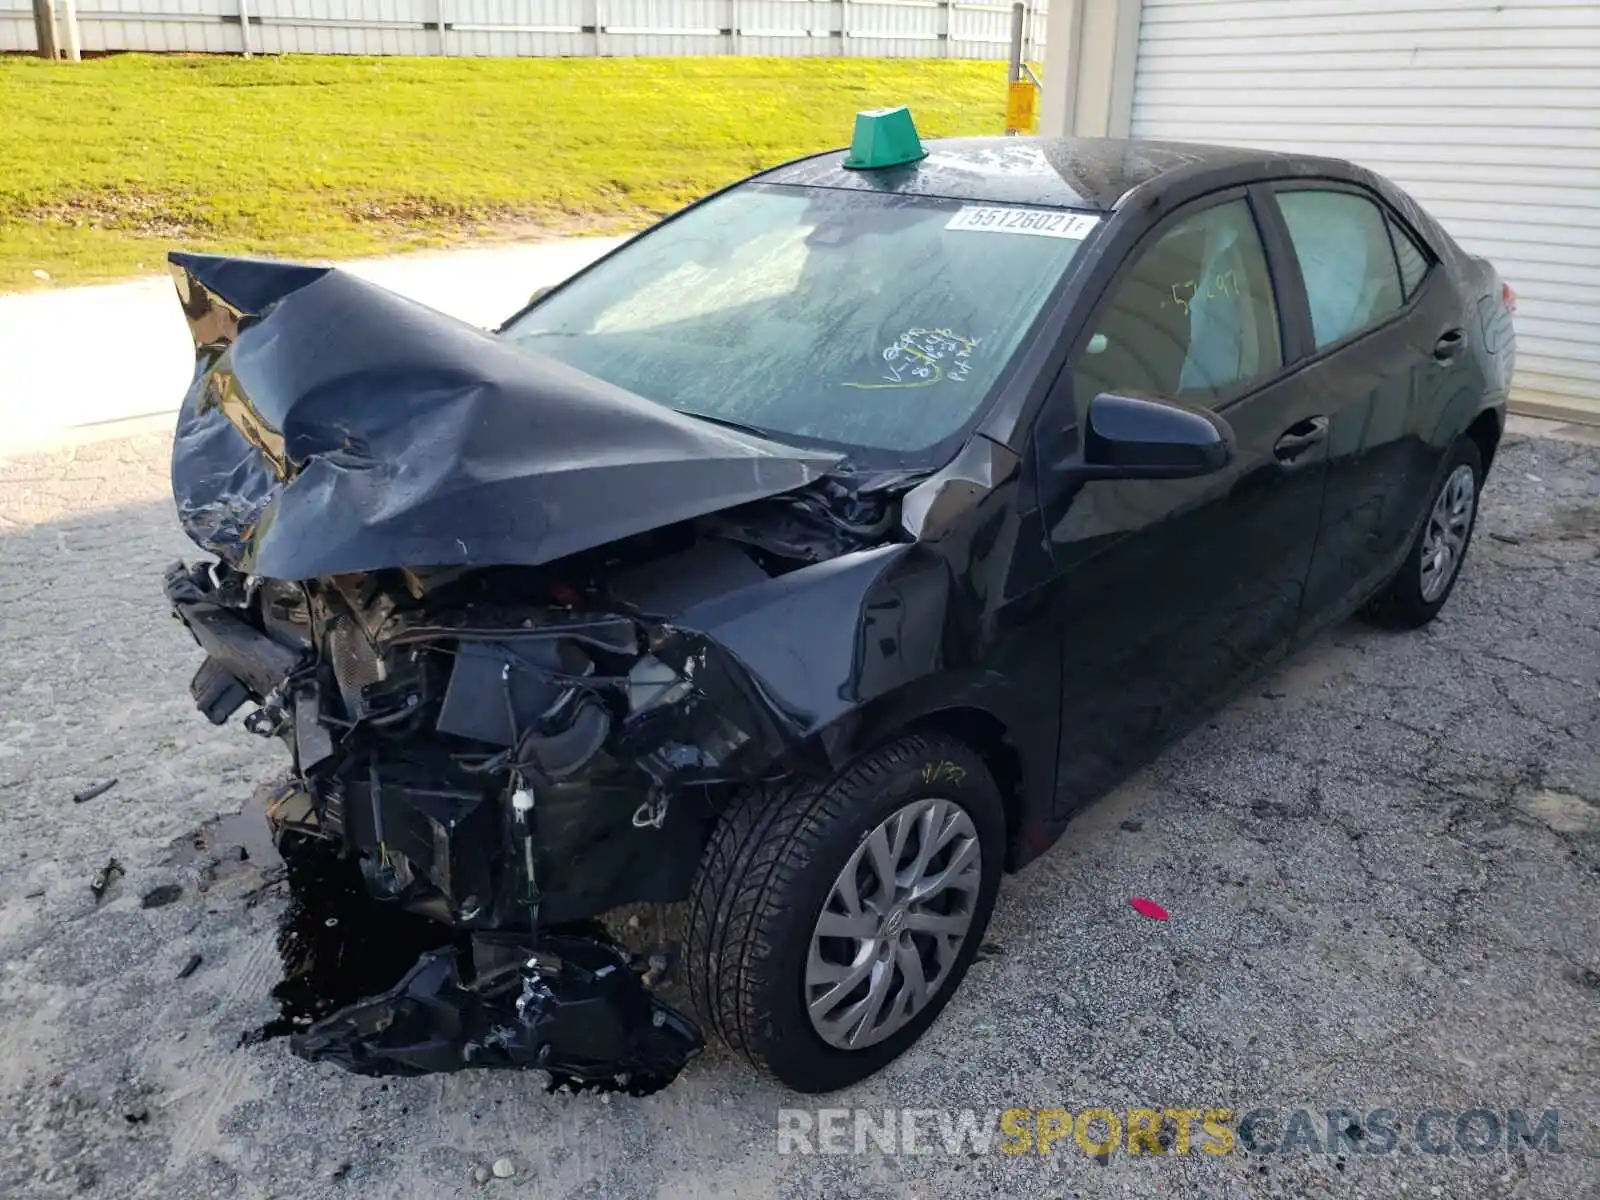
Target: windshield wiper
(754,430)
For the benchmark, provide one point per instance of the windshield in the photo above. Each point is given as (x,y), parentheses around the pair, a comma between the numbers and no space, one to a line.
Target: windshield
(864,320)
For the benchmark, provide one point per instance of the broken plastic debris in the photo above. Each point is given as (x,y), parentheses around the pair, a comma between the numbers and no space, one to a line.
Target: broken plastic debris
(574,1010)
(190,967)
(1148,908)
(659,968)
(89,793)
(103,877)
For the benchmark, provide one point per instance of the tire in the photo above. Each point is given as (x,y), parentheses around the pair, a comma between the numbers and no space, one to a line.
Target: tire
(775,859)
(1407,602)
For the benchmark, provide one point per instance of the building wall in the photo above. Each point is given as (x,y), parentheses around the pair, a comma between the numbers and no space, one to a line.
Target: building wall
(544,28)
(1487,111)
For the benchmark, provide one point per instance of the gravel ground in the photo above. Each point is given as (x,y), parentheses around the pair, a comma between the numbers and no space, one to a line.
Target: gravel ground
(1382,864)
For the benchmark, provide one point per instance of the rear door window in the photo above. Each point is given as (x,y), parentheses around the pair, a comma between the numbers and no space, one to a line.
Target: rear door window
(1342,242)
(1191,317)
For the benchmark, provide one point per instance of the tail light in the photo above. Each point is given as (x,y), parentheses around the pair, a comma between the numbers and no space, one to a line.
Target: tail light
(1508,297)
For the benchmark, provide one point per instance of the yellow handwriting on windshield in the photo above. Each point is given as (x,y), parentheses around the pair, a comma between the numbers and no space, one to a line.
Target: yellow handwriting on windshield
(920,358)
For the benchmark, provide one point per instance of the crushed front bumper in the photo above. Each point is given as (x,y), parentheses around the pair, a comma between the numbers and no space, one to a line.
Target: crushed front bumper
(568,1001)
(573,1007)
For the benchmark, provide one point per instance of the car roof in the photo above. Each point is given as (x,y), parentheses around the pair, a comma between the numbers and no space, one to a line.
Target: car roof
(1062,172)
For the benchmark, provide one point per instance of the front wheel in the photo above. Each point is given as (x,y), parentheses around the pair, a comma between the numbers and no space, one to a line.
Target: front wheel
(1424,582)
(831,922)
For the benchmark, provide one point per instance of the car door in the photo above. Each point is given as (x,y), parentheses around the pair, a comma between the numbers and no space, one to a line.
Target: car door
(1389,349)
(1171,591)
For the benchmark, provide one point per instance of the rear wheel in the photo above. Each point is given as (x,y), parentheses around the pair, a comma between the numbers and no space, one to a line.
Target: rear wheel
(1426,578)
(830,923)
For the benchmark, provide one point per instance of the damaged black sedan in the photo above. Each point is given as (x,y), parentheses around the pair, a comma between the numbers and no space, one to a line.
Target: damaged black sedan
(811,558)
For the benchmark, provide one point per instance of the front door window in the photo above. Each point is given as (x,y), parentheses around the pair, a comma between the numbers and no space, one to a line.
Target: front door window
(1193,317)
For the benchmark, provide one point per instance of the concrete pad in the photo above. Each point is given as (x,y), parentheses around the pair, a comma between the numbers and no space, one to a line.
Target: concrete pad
(1383,885)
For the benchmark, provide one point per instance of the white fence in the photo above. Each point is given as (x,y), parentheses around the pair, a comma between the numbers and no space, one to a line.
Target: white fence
(543,28)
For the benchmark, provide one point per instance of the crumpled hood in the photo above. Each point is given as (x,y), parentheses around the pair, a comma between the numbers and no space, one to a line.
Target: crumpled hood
(333,426)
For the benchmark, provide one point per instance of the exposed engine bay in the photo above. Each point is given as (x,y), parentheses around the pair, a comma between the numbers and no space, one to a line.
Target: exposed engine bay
(525,635)
(510,751)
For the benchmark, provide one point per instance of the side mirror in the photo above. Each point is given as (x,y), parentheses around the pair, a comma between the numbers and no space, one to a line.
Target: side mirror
(1136,437)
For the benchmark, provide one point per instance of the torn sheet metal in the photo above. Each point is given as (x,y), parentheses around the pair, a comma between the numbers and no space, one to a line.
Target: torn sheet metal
(335,427)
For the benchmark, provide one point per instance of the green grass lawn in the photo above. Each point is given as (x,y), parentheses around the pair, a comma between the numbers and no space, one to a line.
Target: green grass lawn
(107,164)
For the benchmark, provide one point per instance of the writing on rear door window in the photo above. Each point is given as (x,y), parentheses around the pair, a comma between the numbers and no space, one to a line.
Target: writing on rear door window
(1040,222)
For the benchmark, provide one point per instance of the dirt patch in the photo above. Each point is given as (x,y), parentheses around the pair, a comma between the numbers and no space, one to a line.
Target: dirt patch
(1562,811)
(148,214)
(1574,522)
(489,223)
(412,210)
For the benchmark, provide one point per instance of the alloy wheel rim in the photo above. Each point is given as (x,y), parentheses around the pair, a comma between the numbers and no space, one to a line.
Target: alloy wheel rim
(893,924)
(1444,542)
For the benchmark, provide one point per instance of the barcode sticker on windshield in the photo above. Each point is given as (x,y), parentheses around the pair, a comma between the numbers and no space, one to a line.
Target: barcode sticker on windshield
(1041,222)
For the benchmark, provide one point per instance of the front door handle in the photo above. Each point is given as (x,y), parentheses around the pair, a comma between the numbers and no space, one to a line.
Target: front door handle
(1298,438)
(1449,344)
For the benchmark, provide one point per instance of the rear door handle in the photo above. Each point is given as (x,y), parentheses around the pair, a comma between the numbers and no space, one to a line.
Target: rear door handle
(1449,344)
(1299,438)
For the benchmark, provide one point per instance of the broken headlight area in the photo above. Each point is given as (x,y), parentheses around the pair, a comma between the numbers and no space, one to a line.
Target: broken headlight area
(485,751)
(492,764)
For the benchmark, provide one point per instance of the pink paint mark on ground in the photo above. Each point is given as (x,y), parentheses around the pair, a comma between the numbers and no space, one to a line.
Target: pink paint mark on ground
(1148,908)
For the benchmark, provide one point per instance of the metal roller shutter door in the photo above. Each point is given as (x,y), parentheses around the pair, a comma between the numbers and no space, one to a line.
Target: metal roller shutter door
(1488,111)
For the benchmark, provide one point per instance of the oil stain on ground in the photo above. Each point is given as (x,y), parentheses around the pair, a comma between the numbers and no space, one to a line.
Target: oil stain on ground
(337,944)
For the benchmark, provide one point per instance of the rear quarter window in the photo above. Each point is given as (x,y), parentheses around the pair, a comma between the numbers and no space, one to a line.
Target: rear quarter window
(1410,257)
